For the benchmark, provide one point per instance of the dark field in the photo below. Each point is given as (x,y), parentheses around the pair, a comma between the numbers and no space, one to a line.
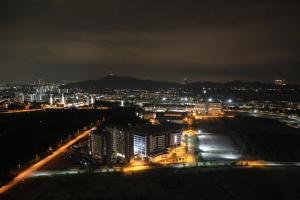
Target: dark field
(202,183)
(260,138)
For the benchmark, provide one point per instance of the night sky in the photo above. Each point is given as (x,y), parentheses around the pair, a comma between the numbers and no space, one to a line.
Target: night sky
(160,40)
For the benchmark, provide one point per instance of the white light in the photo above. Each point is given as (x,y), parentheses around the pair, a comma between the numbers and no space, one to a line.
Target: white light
(229,156)
(229,100)
(210,99)
(185,98)
(164,98)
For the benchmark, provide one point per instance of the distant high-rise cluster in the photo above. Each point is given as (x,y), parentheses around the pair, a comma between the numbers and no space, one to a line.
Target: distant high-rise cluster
(51,95)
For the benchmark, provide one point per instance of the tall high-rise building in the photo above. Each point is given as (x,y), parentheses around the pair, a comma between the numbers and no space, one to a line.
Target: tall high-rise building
(110,144)
(117,139)
(96,144)
(139,145)
(92,100)
(157,142)
(62,99)
(21,97)
(51,100)
(32,97)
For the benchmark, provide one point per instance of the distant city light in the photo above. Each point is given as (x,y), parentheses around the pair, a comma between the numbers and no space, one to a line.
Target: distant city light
(210,100)
(230,101)
(164,98)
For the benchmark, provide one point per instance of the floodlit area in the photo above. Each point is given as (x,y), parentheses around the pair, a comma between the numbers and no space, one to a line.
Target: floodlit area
(220,156)
(218,147)
(184,153)
(197,146)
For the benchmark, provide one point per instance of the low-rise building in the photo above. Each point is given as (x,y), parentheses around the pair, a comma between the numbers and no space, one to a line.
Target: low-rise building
(214,108)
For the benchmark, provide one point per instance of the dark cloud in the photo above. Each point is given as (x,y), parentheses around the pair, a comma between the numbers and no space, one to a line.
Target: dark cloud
(213,40)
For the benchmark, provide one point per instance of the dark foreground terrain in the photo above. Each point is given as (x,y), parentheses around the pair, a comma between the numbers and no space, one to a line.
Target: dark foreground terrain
(231,184)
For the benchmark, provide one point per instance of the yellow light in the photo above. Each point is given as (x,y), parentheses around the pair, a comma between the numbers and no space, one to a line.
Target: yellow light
(190,159)
(135,168)
(252,163)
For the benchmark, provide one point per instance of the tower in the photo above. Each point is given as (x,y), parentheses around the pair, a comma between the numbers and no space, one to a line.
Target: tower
(51,100)
(111,73)
(62,99)
(88,102)
(185,81)
(92,100)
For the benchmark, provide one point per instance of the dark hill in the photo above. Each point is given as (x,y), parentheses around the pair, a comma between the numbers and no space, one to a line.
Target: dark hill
(118,82)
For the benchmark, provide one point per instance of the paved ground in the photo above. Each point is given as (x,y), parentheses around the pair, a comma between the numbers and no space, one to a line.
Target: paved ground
(218,147)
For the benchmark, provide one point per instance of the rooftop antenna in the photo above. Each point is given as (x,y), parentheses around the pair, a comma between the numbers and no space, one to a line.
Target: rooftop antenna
(110,73)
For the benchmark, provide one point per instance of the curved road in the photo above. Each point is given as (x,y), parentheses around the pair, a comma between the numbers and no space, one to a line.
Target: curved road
(27,173)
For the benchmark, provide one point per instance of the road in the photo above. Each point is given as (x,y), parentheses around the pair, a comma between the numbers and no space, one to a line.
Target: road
(22,111)
(32,169)
(139,168)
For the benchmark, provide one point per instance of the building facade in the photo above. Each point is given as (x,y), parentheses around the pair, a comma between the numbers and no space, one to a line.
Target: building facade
(113,144)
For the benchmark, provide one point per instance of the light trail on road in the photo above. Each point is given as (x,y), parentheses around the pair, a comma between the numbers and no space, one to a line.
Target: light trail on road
(26,173)
(22,111)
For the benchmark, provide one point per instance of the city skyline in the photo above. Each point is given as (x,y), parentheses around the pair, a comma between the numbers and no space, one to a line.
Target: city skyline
(169,40)
(145,99)
(183,81)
